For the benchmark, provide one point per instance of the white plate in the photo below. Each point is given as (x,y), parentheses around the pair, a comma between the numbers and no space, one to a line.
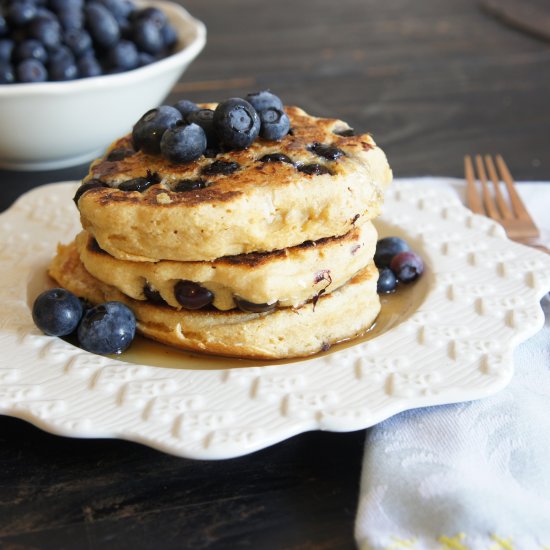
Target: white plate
(478,300)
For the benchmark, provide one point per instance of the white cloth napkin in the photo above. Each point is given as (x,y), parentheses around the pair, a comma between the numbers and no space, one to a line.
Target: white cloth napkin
(468,476)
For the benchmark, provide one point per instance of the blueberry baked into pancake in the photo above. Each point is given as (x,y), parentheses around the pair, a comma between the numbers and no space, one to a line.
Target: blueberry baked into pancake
(242,228)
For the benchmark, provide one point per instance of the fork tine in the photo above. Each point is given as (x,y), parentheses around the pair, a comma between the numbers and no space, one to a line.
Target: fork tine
(472,196)
(517,203)
(487,198)
(505,212)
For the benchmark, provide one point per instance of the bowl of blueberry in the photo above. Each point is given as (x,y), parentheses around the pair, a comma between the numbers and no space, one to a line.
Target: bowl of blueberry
(75,74)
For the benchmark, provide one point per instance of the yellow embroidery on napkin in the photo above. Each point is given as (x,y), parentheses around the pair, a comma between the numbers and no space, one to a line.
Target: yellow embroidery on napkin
(501,544)
(402,543)
(453,543)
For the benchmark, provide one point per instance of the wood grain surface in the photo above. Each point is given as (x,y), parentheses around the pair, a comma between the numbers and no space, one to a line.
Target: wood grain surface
(432,80)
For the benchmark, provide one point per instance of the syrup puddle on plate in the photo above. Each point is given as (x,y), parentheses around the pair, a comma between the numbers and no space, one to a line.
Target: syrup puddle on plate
(396,307)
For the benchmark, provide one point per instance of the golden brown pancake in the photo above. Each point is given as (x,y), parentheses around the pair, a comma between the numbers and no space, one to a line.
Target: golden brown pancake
(286,277)
(285,332)
(333,181)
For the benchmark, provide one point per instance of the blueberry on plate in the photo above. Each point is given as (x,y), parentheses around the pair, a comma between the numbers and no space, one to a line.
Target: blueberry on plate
(387,248)
(237,123)
(407,266)
(275,124)
(107,328)
(183,143)
(149,129)
(264,100)
(251,307)
(191,295)
(57,312)
(387,281)
(186,107)
(205,119)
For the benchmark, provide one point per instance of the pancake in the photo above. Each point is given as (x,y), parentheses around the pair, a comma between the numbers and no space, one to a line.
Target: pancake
(286,277)
(333,181)
(285,332)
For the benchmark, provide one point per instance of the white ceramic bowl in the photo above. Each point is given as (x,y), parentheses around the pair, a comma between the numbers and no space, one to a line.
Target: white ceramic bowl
(58,124)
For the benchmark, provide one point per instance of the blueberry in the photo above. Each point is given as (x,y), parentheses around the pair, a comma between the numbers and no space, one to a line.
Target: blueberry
(237,123)
(90,184)
(79,41)
(169,36)
(154,15)
(30,49)
(64,5)
(31,70)
(191,295)
(108,328)
(347,132)
(148,130)
(148,36)
(212,152)
(407,266)
(101,24)
(123,56)
(145,58)
(6,48)
(57,312)
(276,157)
(190,185)
(152,295)
(251,307)
(4,29)
(183,143)
(21,12)
(314,169)
(121,9)
(88,66)
(186,107)
(387,281)
(264,100)
(119,154)
(7,76)
(62,64)
(275,124)
(205,119)
(46,13)
(137,184)
(387,248)
(329,152)
(71,19)
(47,30)
(220,167)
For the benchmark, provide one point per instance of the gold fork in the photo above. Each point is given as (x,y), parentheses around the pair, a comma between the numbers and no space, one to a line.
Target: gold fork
(513,216)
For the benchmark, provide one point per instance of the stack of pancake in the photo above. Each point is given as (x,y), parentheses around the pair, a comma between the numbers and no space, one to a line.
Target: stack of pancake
(265,252)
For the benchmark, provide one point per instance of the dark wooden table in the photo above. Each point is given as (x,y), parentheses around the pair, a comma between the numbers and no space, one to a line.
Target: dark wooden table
(432,81)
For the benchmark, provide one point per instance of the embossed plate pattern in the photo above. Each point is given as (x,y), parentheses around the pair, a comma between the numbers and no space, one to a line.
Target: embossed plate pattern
(482,299)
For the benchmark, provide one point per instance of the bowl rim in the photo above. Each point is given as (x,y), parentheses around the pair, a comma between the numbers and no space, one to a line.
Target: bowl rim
(196,31)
